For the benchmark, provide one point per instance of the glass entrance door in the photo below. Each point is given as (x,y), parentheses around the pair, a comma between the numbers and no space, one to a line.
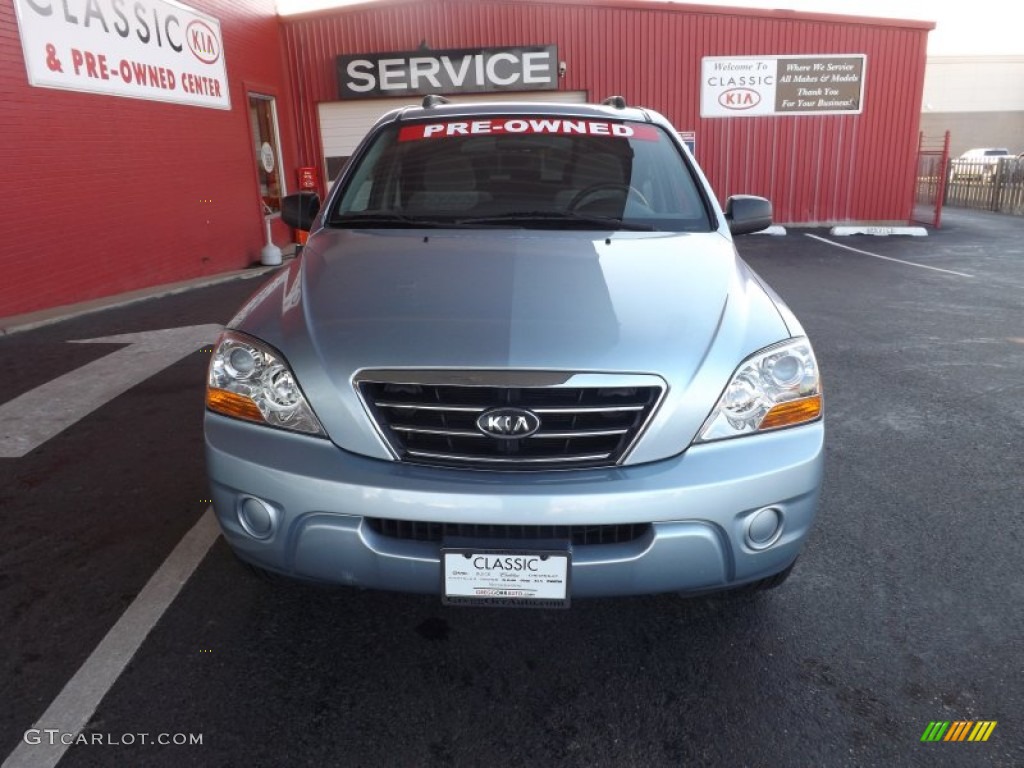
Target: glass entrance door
(263,118)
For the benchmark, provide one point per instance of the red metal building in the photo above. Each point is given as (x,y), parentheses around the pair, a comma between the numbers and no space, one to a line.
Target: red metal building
(142,141)
(817,168)
(103,193)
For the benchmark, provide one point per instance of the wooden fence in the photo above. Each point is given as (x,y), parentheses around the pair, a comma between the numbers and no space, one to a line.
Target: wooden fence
(995,187)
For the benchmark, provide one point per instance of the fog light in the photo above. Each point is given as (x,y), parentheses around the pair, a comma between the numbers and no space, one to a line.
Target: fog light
(764,528)
(258,520)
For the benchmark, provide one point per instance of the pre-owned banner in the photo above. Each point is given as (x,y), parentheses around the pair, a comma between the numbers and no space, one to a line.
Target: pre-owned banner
(752,86)
(140,49)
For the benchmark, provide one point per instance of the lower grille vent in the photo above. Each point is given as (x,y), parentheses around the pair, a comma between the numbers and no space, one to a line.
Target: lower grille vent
(579,535)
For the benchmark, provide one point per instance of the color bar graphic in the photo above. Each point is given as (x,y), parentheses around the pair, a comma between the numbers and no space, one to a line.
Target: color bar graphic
(958,730)
(982,730)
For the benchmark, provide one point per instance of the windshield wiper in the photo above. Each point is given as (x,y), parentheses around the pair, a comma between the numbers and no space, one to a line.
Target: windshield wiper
(553,218)
(389,220)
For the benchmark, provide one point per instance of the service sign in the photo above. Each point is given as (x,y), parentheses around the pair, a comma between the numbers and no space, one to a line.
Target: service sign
(140,49)
(752,86)
(462,70)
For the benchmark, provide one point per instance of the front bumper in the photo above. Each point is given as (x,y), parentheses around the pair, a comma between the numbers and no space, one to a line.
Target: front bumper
(699,505)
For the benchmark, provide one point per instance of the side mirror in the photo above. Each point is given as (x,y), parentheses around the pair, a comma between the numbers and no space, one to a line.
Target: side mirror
(299,210)
(748,213)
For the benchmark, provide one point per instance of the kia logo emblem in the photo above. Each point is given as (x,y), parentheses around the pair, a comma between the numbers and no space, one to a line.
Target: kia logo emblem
(508,423)
(202,41)
(739,98)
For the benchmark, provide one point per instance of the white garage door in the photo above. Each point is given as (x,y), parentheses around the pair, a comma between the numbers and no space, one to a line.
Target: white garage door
(344,123)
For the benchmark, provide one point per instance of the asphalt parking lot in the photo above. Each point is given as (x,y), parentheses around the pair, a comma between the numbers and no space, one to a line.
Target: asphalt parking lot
(907,607)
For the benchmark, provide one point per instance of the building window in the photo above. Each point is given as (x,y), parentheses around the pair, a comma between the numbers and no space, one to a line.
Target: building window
(335,165)
(263,118)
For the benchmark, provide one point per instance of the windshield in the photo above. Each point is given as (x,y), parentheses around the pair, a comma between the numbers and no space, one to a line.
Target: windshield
(523,172)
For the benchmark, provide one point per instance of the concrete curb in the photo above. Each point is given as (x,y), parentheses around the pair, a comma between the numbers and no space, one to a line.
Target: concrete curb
(27,322)
(774,230)
(879,231)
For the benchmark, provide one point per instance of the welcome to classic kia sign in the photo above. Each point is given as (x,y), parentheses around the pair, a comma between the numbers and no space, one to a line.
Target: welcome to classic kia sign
(751,86)
(140,49)
(461,70)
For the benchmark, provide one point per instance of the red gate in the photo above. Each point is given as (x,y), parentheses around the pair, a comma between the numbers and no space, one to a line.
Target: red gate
(932,176)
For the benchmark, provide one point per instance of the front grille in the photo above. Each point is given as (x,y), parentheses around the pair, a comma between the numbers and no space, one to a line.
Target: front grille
(580,427)
(579,535)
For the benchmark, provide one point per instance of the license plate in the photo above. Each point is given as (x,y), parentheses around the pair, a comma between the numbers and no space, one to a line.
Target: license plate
(502,577)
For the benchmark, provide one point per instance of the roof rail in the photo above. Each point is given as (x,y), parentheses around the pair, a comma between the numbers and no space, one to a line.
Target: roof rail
(433,100)
(618,102)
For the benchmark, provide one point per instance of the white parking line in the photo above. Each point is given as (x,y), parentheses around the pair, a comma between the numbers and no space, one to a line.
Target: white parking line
(71,710)
(888,258)
(28,421)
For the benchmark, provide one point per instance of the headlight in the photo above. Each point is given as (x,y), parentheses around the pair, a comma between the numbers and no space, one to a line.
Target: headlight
(249,380)
(774,388)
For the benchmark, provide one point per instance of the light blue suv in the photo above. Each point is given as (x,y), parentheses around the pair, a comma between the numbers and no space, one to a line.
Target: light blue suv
(519,361)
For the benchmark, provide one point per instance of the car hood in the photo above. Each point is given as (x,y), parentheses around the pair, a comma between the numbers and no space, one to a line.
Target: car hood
(681,306)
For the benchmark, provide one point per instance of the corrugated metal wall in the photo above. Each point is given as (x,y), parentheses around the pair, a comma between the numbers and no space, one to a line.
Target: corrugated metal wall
(103,194)
(815,169)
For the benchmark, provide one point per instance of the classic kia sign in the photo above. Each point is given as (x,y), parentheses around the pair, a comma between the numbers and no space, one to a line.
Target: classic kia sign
(748,86)
(462,70)
(141,49)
